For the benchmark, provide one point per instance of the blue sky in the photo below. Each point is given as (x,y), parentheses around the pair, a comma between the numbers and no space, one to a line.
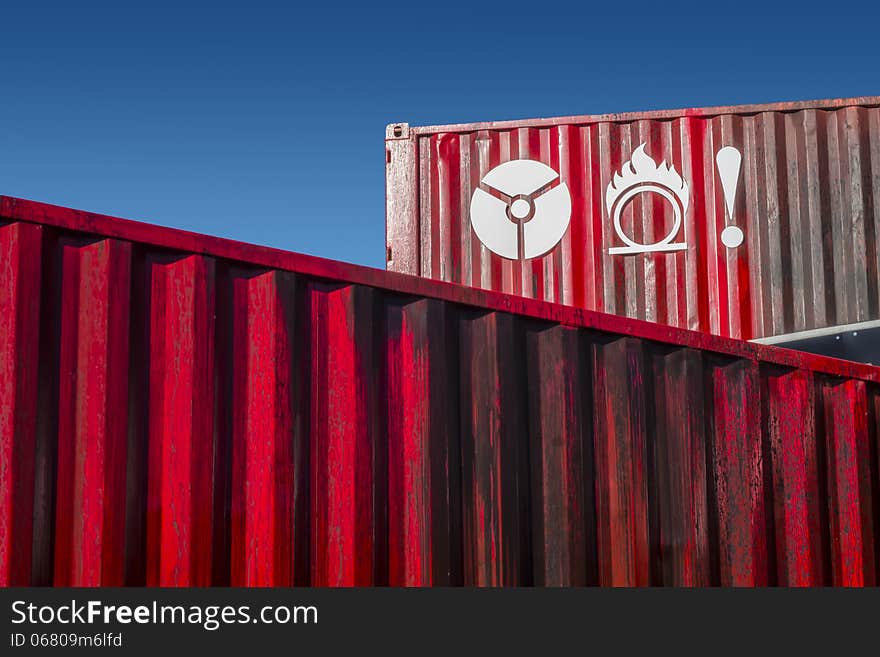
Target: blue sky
(265,122)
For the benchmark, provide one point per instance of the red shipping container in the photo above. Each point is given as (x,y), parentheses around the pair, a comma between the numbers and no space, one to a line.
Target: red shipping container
(182,410)
(750,222)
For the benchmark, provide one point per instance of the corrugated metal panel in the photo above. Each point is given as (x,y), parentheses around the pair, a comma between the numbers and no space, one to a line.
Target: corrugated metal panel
(185,410)
(807,200)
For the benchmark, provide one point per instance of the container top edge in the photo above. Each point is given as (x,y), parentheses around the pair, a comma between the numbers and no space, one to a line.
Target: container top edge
(103,226)
(623,117)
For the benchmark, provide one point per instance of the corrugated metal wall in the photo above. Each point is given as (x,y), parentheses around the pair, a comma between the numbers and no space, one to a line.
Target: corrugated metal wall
(808,202)
(183,410)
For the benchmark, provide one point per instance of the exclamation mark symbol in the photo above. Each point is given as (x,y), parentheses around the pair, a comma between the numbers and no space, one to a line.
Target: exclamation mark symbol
(729,161)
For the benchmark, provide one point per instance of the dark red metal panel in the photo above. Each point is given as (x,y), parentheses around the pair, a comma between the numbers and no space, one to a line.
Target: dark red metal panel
(806,199)
(264,474)
(20,254)
(92,413)
(424,458)
(621,462)
(183,410)
(347,450)
(851,513)
(560,396)
(180,412)
(790,400)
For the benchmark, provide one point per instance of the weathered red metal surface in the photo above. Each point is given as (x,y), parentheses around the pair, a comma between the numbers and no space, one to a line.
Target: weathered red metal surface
(806,197)
(184,410)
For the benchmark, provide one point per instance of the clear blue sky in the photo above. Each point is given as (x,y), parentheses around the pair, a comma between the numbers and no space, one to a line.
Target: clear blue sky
(265,122)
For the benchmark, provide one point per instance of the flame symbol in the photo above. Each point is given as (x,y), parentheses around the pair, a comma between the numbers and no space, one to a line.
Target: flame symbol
(642,175)
(643,170)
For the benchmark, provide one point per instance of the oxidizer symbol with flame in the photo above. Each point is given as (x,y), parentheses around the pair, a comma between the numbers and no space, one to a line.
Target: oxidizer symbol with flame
(524,210)
(642,175)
